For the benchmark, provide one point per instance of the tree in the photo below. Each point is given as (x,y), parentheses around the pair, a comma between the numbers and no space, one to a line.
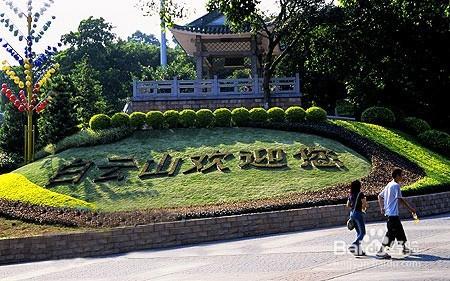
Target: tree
(141,37)
(181,66)
(88,99)
(60,119)
(12,130)
(285,28)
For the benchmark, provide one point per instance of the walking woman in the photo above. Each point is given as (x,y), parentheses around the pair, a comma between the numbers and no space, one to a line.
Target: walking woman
(358,204)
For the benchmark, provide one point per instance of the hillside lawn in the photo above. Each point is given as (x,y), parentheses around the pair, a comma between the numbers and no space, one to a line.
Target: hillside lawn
(436,166)
(198,189)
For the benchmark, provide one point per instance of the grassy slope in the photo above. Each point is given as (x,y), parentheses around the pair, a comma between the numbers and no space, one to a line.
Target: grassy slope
(15,187)
(436,166)
(199,189)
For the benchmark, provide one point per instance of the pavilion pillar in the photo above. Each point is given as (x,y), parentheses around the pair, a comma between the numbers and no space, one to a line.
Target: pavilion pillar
(199,57)
(254,57)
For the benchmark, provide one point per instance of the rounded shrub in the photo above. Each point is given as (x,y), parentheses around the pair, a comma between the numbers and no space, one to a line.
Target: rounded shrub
(223,117)
(295,114)
(276,114)
(378,115)
(436,140)
(415,125)
(240,116)
(100,122)
(316,114)
(120,119)
(258,114)
(188,118)
(205,118)
(155,119)
(172,118)
(137,119)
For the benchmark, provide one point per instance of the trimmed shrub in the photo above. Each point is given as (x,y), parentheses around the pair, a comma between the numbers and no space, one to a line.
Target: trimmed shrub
(258,114)
(316,114)
(155,119)
(240,116)
(137,119)
(223,117)
(295,114)
(378,115)
(205,118)
(100,122)
(188,118)
(436,140)
(120,119)
(276,114)
(172,118)
(415,125)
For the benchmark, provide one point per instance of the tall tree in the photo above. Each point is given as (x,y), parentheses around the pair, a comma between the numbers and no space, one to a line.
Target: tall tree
(141,37)
(88,99)
(60,118)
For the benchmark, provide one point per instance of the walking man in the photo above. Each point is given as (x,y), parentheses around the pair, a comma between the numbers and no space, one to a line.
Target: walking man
(388,200)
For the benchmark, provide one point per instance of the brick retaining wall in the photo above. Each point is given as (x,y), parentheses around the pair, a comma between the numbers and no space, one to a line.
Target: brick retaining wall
(186,232)
(145,106)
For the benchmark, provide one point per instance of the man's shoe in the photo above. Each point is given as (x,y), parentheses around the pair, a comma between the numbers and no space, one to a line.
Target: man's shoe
(406,251)
(383,255)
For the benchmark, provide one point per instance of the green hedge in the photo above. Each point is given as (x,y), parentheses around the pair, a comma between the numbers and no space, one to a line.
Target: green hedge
(258,114)
(316,114)
(295,114)
(436,140)
(276,114)
(155,119)
(415,125)
(205,118)
(222,117)
(100,122)
(120,119)
(172,118)
(240,116)
(137,119)
(188,118)
(378,115)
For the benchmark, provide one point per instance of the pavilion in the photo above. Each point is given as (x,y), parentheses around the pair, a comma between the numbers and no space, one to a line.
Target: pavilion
(217,51)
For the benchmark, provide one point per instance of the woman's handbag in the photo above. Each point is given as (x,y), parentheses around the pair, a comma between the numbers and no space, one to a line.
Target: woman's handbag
(351,221)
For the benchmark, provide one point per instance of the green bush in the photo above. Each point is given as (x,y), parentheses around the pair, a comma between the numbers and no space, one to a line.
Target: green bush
(100,122)
(89,137)
(276,114)
(120,119)
(137,119)
(345,108)
(415,125)
(436,140)
(172,118)
(378,115)
(258,114)
(223,117)
(9,161)
(295,114)
(205,118)
(188,118)
(316,114)
(155,119)
(240,116)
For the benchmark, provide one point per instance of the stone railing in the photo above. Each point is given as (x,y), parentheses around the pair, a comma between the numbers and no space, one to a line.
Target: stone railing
(193,231)
(213,89)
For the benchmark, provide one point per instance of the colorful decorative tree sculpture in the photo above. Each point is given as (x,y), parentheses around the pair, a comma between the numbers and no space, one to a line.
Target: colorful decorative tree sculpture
(37,69)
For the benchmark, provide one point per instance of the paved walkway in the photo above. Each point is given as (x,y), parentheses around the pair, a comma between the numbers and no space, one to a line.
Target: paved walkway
(308,255)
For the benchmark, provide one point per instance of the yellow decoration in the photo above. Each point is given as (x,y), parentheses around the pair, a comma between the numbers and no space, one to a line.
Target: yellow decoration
(52,70)
(17,80)
(29,78)
(27,66)
(28,83)
(4,62)
(27,72)
(21,85)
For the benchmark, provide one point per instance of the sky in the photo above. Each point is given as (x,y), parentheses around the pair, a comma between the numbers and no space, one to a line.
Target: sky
(122,14)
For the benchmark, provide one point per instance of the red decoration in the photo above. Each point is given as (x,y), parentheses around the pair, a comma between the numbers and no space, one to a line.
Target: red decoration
(21,108)
(17,103)
(4,85)
(4,90)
